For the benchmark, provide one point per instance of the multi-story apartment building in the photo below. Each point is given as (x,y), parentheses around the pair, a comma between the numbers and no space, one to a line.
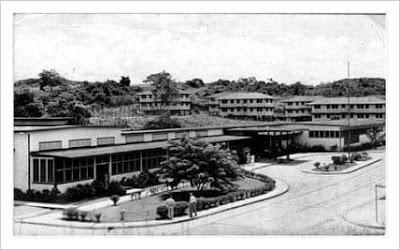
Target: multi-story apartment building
(357,107)
(296,108)
(148,104)
(213,103)
(246,105)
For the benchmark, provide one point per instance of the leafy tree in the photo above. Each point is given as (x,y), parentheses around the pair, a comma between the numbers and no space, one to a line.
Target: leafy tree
(25,104)
(79,113)
(49,78)
(202,164)
(164,88)
(162,122)
(125,81)
(195,83)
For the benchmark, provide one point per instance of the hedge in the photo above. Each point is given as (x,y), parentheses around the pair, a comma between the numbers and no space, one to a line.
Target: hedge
(210,202)
(179,209)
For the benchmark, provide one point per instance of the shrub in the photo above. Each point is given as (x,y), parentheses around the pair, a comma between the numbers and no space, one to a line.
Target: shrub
(115,188)
(317,164)
(97,216)
(338,160)
(71,213)
(114,199)
(99,188)
(179,209)
(82,215)
(343,158)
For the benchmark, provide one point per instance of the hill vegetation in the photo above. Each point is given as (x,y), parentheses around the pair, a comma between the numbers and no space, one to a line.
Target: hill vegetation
(51,95)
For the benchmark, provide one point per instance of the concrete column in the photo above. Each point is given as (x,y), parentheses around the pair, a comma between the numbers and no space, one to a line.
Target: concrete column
(141,161)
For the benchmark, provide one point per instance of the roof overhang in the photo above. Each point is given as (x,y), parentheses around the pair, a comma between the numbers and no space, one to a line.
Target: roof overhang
(124,148)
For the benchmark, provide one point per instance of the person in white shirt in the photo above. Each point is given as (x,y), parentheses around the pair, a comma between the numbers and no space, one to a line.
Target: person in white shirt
(170,204)
(192,205)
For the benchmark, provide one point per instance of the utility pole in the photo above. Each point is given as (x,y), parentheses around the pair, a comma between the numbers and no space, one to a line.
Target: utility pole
(348,109)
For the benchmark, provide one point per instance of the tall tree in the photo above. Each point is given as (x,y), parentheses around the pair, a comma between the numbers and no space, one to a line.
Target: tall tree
(164,89)
(49,78)
(125,81)
(202,164)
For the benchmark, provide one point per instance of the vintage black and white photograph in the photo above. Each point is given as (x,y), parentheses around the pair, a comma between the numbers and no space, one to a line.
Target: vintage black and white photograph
(199,124)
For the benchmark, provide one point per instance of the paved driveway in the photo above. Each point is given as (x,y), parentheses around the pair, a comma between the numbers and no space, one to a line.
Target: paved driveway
(313,206)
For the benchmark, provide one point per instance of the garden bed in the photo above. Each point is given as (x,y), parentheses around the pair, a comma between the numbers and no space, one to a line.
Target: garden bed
(331,167)
(146,209)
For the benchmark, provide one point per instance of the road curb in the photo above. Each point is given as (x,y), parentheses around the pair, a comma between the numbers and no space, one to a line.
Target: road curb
(283,188)
(371,226)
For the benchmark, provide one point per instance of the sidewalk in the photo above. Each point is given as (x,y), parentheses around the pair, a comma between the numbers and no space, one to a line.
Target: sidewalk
(364,215)
(55,219)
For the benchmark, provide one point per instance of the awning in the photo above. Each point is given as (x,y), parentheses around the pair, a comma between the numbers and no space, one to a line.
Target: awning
(115,149)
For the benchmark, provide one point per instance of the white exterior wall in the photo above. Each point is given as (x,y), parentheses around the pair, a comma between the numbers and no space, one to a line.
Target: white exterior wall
(304,138)
(65,135)
(21,156)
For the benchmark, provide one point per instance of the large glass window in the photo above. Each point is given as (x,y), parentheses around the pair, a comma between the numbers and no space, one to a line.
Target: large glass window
(43,170)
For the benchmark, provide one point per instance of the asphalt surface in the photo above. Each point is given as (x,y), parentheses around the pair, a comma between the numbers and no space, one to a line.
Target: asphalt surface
(314,205)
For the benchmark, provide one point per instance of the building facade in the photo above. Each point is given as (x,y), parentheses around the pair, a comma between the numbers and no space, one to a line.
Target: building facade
(297,109)
(343,108)
(148,104)
(67,155)
(246,105)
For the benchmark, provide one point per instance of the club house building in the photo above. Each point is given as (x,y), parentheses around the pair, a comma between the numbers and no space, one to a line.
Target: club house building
(49,152)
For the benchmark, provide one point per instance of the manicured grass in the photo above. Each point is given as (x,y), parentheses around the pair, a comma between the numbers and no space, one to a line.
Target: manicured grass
(146,208)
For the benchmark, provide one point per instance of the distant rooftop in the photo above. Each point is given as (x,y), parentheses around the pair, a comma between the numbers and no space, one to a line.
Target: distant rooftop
(353,100)
(302,99)
(149,92)
(42,121)
(245,95)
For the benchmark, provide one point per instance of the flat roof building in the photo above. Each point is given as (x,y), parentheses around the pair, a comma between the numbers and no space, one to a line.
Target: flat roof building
(337,108)
(296,109)
(148,104)
(246,105)
(67,155)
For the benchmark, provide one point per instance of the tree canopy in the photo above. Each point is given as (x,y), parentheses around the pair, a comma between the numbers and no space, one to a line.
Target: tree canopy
(164,88)
(202,164)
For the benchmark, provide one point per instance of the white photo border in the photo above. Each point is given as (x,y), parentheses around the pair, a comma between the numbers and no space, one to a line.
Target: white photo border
(389,241)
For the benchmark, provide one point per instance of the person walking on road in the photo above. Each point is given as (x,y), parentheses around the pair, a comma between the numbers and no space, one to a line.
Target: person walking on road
(170,204)
(192,205)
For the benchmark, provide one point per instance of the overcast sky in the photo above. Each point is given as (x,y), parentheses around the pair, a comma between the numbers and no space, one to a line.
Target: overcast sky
(286,48)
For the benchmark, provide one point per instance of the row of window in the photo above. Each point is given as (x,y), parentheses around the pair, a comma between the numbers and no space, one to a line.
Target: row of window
(248,101)
(343,116)
(75,170)
(324,134)
(359,106)
(137,161)
(152,105)
(296,103)
(298,111)
(151,96)
(86,142)
(43,170)
(47,170)
(247,109)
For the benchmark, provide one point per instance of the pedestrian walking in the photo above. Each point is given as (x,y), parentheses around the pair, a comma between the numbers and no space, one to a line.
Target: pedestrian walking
(252,160)
(192,205)
(170,204)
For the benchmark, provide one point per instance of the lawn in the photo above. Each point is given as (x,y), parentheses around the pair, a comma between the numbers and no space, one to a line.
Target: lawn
(146,209)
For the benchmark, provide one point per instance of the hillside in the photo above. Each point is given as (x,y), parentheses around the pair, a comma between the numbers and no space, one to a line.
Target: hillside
(53,95)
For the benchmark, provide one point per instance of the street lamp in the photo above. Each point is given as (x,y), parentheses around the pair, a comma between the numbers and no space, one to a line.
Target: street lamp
(376,200)
(348,109)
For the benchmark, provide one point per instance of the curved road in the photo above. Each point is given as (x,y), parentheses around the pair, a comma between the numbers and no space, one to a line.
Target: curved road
(313,206)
